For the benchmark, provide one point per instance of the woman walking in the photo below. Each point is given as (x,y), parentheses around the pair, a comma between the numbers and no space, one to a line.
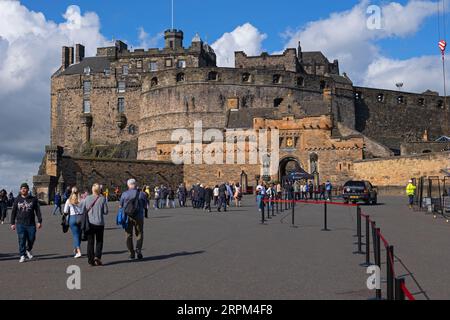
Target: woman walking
(72,208)
(3,205)
(95,207)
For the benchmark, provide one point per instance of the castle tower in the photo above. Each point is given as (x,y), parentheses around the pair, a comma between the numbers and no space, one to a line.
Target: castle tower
(174,39)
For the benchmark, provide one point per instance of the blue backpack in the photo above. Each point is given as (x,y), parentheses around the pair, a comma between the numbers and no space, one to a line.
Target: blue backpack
(122,219)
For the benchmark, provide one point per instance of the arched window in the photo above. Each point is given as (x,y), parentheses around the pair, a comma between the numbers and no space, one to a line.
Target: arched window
(276,79)
(323,85)
(400,100)
(300,82)
(277,102)
(180,77)
(213,76)
(246,77)
(380,97)
(132,129)
(154,82)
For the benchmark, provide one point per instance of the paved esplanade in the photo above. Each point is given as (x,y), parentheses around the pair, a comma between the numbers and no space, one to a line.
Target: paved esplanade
(193,255)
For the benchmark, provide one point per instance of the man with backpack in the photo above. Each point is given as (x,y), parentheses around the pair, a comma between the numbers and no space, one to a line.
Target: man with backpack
(133,203)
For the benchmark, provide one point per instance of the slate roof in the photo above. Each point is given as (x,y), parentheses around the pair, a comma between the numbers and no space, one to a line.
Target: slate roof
(97,65)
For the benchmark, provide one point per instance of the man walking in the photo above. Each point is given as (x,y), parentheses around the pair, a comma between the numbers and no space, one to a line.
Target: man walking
(3,205)
(25,209)
(222,198)
(411,192)
(328,189)
(57,201)
(133,202)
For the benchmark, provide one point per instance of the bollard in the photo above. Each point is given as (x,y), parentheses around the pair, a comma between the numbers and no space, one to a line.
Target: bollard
(374,241)
(268,211)
(399,294)
(281,203)
(367,240)
(390,273)
(378,258)
(272,204)
(285,203)
(358,223)
(276,199)
(262,213)
(325,217)
(293,214)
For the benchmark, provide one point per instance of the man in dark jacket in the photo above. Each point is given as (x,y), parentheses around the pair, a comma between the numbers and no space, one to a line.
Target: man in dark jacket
(201,197)
(57,201)
(3,205)
(223,193)
(25,208)
(208,198)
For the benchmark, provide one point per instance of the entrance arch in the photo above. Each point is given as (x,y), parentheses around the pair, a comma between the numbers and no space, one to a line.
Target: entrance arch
(291,165)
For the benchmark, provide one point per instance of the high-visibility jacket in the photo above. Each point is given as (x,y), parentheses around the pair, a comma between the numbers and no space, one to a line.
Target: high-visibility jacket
(411,189)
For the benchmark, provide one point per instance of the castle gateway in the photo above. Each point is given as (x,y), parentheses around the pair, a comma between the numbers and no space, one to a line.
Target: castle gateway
(113,115)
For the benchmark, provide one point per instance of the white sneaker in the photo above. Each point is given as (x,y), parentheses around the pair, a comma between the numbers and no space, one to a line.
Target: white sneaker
(78,255)
(22,259)
(29,255)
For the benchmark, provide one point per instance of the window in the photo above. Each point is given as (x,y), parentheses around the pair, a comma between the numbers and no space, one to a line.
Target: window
(421,102)
(121,86)
(276,79)
(246,77)
(87,71)
(440,104)
(153,66)
(323,85)
(358,96)
(400,100)
(168,63)
(86,87)
(132,129)
(380,97)
(107,72)
(171,44)
(213,76)
(125,70)
(180,77)
(277,102)
(121,105)
(86,106)
(154,82)
(181,64)
(300,82)
(139,64)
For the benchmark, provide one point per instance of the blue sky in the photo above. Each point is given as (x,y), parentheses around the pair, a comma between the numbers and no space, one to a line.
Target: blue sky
(212,18)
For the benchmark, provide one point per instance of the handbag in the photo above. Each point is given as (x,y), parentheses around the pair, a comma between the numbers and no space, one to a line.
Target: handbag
(65,223)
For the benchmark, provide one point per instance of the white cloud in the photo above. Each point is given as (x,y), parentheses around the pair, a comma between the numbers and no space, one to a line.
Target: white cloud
(147,41)
(244,38)
(30,51)
(345,36)
(417,74)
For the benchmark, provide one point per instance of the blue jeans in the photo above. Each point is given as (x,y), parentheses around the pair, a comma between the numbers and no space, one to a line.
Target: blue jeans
(76,231)
(57,207)
(27,236)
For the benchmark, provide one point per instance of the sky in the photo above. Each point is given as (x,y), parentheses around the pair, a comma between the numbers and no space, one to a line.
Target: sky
(402,48)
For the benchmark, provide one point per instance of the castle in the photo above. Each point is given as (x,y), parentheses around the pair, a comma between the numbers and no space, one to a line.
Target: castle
(112,116)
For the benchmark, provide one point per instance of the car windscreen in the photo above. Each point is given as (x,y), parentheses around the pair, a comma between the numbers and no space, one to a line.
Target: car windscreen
(355,184)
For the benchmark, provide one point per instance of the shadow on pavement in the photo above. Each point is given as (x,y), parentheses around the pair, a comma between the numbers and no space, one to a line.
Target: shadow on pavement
(156,258)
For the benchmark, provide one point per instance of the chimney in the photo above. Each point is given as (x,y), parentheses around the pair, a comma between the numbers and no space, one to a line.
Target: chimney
(71,55)
(79,53)
(66,57)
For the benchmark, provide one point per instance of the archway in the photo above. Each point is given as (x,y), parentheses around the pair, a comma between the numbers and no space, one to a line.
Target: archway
(288,166)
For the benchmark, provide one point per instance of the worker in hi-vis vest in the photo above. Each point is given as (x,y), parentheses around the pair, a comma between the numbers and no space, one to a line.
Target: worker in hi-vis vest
(410,192)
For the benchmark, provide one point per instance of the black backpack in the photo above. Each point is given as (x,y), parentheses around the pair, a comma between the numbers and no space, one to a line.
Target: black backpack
(132,207)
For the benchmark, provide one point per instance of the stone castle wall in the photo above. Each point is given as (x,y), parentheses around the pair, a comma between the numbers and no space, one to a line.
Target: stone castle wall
(391,122)
(396,171)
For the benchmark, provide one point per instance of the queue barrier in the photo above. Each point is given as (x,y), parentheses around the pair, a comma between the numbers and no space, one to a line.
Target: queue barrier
(396,288)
